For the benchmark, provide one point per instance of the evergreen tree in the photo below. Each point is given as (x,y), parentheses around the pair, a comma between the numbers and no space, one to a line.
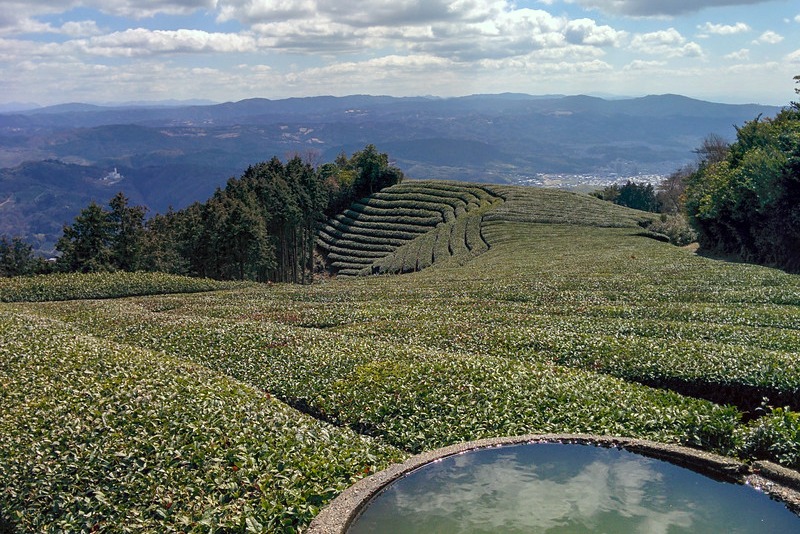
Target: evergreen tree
(261,226)
(16,257)
(128,240)
(747,202)
(86,245)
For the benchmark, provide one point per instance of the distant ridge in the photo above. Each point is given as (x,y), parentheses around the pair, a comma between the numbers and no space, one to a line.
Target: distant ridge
(53,159)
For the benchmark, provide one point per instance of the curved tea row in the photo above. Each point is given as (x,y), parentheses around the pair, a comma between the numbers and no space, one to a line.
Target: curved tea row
(408,227)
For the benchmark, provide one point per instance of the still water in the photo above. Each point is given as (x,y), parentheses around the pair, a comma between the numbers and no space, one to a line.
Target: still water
(563,488)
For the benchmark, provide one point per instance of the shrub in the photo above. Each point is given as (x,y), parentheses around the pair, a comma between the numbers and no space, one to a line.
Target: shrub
(775,437)
(676,228)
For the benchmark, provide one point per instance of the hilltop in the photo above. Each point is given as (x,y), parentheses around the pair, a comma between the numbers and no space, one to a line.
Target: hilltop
(250,406)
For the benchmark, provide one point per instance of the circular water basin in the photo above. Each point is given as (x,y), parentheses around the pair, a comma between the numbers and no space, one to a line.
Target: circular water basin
(552,486)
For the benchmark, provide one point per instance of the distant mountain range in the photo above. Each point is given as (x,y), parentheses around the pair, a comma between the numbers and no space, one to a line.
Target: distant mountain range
(55,160)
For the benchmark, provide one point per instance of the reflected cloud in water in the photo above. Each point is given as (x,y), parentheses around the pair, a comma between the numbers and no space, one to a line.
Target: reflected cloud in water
(552,488)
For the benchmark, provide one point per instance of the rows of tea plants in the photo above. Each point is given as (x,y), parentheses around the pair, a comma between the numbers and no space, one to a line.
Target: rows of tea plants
(553,328)
(70,286)
(599,299)
(553,206)
(407,227)
(606,300)
(97,436)
(458,240)
(412,396)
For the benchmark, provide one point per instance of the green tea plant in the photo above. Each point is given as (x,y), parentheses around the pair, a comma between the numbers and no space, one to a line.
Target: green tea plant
(69,286)
(573,325)
(100,436)
(408,219)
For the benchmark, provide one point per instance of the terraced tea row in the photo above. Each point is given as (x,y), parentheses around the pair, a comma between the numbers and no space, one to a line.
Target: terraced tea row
(552,206)
(554,328)
(100,437)
(70,286)
(408,227)
(414,397)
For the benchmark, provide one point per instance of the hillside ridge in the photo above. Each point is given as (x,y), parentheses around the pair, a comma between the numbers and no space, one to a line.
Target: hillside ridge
(413,225)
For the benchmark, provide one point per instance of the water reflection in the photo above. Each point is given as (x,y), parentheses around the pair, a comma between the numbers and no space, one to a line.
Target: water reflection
(555,488)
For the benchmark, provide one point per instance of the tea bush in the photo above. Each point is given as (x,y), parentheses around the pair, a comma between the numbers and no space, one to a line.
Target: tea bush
(100,436)
(775,436)
(424,211)
(553,328)
(69,286)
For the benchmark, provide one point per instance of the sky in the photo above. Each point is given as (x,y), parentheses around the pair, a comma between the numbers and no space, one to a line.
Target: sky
(110,51)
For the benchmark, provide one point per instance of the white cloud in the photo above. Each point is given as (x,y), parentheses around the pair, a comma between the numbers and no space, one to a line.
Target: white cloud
(82,28)
(639,65)
(310,36)
(17,15)
(409,74)
(32,26)
(769,37)
(668,37)
(651,8)
(23,26)
(587,32)
(143,42)
(16,51)
(739,55)
(139,9)
(724,29)
(291,47)
(77,80)
(667,43)
(378,12)
(793,57)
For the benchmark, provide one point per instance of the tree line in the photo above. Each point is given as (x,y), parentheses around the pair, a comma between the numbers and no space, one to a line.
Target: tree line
(740,198)
(745,199)
(261,226)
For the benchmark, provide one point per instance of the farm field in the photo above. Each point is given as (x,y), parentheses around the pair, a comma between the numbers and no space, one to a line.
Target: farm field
(247,407)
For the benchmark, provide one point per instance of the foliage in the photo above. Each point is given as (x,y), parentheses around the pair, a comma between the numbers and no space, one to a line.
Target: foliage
(580,326)
(631,195)
(71,286)
(17,258)
(775,436)
(745,203)
(348,179)
(670,192)
(103,240)
(99,437)
(414,397)
(676,227)
(551,206)
(261,226)
(397,229)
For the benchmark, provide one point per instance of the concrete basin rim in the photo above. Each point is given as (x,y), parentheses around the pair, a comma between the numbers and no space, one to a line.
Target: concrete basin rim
(780,483)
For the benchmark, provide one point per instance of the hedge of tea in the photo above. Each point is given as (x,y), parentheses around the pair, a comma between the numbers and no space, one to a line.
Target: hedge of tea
(96,436)
(553,328)
(69,286)
(399,216)
(414,397)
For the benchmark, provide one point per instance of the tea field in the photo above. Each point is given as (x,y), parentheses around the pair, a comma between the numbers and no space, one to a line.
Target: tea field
(246,407)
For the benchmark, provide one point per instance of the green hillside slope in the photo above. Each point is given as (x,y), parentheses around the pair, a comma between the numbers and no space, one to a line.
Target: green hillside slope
(256,404)
(411,226)
(407,227)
